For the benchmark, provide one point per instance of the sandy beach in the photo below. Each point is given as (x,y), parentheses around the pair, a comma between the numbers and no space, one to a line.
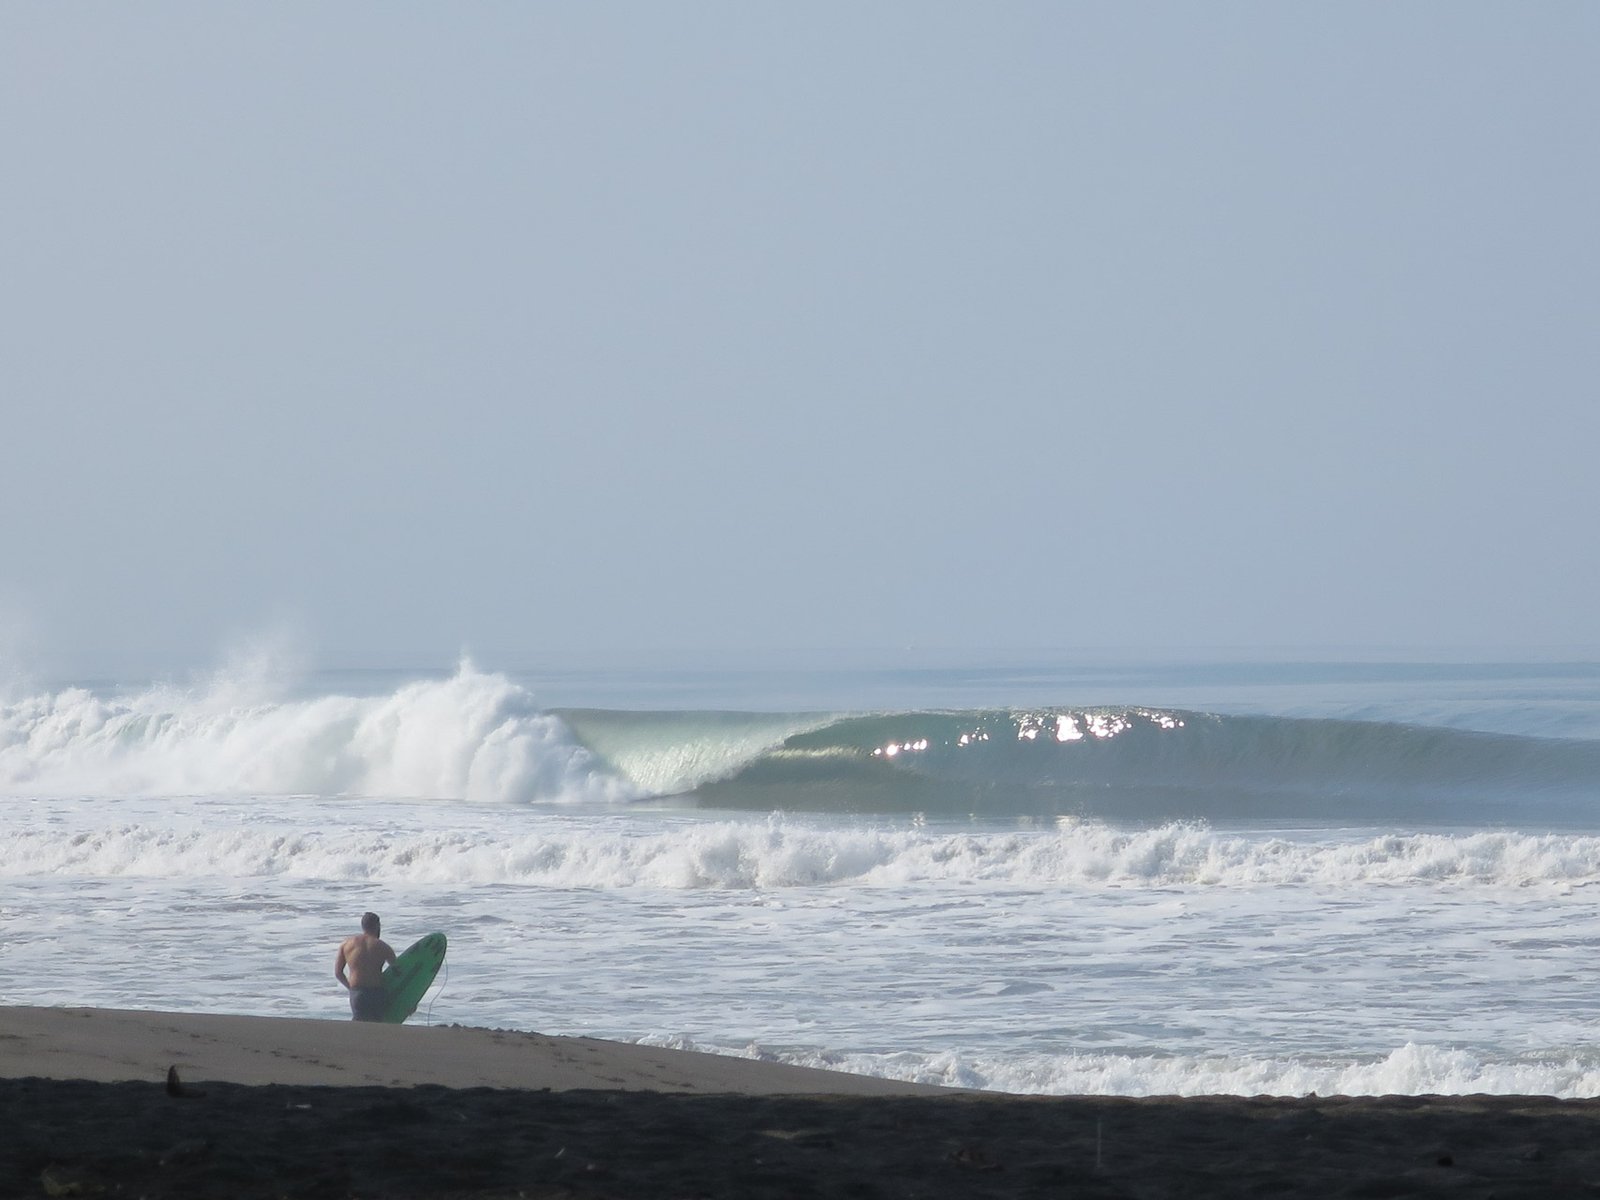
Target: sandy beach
(268,1107)
(113,1046)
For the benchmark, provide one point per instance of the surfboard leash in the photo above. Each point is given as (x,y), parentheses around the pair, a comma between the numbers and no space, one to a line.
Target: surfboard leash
(437,992)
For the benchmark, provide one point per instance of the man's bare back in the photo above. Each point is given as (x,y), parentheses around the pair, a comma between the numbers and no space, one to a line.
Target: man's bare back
(363,957)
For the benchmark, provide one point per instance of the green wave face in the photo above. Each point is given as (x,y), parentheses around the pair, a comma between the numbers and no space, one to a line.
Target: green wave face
(1137,764)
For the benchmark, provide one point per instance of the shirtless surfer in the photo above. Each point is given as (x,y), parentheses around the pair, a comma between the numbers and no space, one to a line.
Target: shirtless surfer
(364,955)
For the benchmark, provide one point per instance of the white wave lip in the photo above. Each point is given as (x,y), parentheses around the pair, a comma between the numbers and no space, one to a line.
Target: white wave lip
(777,854)
(666,754)
(474,736)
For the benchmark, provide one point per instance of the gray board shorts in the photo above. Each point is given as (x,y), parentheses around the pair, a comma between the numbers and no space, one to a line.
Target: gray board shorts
(367,1003)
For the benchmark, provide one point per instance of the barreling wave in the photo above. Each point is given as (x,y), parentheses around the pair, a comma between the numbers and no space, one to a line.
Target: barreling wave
(479,736)
(777,854)
(1114,764)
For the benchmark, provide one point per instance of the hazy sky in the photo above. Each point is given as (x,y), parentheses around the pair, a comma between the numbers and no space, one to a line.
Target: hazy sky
(592,329)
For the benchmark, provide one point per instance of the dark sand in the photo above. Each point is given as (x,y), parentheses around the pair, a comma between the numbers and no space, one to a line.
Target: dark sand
(83,1137)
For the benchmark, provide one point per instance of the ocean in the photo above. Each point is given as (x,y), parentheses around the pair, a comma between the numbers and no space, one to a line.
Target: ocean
(1285,878)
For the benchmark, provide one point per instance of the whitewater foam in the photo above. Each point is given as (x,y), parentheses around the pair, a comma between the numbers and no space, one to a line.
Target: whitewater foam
(473,736)
(1409,1070)
(779,854)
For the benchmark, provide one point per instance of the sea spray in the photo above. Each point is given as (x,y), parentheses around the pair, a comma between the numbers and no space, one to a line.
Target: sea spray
(472,736)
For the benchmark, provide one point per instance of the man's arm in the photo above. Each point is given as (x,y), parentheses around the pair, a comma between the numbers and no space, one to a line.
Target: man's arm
(338,968)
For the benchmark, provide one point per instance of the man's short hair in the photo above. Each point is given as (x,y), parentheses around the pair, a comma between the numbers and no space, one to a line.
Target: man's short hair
(370,923)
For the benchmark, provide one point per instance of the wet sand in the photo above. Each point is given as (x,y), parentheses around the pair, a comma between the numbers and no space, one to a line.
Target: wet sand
(267,1107)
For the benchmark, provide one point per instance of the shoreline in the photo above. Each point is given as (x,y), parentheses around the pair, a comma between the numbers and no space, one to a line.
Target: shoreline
(271,1107)
(130,1045)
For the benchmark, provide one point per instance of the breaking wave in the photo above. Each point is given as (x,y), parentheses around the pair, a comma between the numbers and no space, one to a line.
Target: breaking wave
(473,736)
(776,854)
(479,736)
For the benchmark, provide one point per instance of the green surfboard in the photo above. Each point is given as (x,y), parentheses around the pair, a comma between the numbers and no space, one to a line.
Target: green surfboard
(408,980)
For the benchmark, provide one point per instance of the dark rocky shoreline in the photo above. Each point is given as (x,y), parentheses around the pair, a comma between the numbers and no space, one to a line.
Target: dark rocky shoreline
(76,1138)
